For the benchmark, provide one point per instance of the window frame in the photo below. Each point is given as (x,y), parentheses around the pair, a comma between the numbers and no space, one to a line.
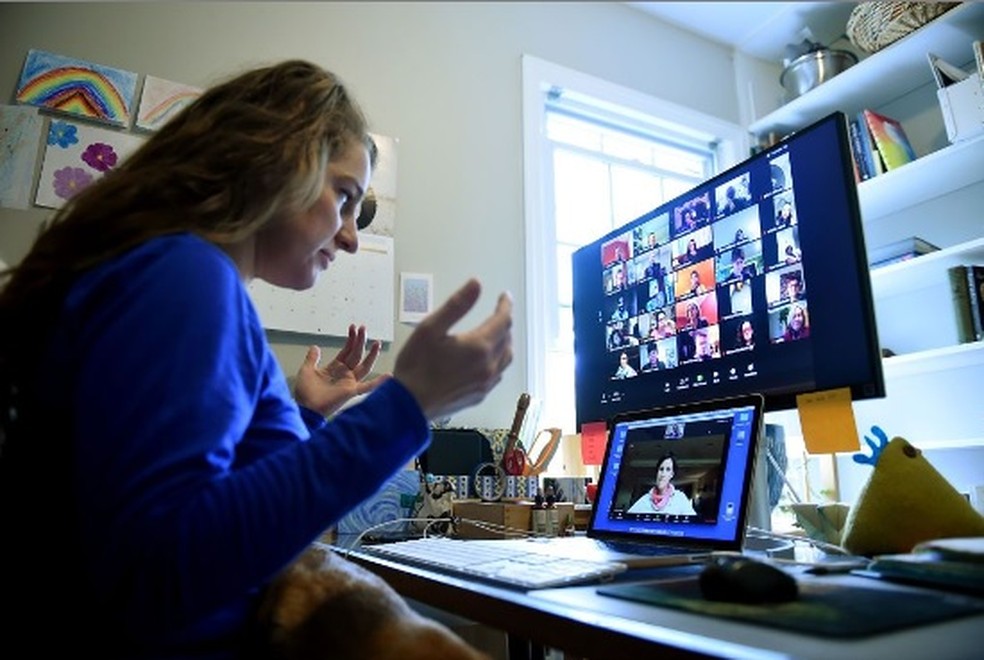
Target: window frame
(730,141)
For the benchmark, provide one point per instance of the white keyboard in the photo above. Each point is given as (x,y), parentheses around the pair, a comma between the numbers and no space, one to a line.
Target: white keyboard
(496,561)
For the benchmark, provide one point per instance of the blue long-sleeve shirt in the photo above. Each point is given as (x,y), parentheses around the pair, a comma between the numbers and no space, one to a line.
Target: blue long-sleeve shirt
(192,476)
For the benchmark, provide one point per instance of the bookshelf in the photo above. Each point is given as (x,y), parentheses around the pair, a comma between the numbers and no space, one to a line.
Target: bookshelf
(905,276)
(933,381)
(884,76)
(933,175)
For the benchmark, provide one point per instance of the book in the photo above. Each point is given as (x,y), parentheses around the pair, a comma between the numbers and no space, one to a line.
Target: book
(868,153)
(956,548)
(857,153)
(906,256)
(890,139)
(929,569)
(975,286)
(948,563)
(907,248)
(960,292)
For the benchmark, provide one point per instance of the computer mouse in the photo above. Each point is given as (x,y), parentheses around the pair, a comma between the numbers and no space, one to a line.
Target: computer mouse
(741,579)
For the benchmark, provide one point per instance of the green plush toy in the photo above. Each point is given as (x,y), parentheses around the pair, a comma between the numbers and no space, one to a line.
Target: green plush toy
(905,501)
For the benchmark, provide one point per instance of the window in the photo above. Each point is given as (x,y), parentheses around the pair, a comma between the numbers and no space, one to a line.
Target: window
(596,156)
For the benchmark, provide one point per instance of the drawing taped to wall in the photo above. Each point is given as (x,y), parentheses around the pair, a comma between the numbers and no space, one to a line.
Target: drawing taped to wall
(20,137)
(162,99)
(77,87)
(416,296)
(75,156)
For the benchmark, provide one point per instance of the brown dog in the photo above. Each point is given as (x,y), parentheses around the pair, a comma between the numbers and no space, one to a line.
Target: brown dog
(324,606)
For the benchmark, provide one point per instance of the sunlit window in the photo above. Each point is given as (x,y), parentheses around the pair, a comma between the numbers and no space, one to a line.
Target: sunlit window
(595,165)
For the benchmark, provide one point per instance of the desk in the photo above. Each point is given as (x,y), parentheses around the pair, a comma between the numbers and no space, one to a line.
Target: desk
(583,623)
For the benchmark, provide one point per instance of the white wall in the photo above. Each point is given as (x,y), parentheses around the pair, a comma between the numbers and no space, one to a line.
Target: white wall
(443,78)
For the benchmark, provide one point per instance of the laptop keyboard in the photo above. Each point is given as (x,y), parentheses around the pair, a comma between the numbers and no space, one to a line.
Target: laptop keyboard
(497,562)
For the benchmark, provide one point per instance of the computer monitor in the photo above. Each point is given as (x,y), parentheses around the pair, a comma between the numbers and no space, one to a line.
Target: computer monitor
(753,281)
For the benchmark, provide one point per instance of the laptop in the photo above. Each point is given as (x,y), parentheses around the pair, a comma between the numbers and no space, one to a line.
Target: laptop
(637,524)
(713,447)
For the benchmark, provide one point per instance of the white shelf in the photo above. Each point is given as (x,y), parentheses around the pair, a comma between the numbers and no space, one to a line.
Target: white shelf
(926,178)
(905,276)
(932,385)
(885,75)
(959,356)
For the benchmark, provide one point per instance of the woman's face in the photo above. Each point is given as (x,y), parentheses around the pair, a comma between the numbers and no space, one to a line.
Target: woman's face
(292,251)
(747,332)
(664,474)
(796,319)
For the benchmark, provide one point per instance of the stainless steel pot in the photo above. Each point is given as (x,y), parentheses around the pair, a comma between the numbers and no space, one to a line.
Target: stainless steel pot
(813,68)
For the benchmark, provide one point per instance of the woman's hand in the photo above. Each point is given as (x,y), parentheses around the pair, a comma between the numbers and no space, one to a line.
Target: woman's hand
(446,372)
(326,389)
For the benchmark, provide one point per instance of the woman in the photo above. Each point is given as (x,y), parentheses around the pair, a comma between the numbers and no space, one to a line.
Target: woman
(797,325)
(696,286)
(690,256)
(745,336)
(156,471)
(624,370)
(694,319)
(664,497)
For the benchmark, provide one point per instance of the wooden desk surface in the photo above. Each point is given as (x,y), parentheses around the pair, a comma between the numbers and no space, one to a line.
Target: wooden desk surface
(584,623)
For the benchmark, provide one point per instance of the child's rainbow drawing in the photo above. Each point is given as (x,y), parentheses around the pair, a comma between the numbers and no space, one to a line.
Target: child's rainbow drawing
(77,87)
(162,99)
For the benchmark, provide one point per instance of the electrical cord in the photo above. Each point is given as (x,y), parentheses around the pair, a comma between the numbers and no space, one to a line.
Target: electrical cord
(829,548)
(456,522)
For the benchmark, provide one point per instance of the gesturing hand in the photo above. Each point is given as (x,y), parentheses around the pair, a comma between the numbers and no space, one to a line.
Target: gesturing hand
(446,372)
(326,389)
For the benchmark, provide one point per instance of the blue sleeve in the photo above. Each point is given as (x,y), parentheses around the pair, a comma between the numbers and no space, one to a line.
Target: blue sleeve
(198,478)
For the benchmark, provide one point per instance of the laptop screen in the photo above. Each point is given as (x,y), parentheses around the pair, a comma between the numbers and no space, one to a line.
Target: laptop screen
(681,472)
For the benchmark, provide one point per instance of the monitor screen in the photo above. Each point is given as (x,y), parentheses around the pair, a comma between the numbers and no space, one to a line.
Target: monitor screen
(753,281)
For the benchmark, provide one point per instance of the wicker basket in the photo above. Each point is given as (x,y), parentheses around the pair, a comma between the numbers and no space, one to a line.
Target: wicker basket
(874,25)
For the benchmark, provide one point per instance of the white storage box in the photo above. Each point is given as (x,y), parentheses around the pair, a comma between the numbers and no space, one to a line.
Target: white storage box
(962,104)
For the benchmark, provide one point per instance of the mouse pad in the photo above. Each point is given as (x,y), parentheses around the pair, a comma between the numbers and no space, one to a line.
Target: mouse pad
(821,609)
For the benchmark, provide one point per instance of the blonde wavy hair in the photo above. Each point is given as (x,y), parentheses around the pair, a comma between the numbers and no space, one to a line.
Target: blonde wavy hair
(244,153)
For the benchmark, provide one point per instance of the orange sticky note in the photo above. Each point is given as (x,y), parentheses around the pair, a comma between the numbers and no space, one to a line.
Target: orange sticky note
(827,419)
(594,438)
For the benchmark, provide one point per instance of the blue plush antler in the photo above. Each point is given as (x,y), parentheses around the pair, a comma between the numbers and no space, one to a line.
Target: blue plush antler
(876,449)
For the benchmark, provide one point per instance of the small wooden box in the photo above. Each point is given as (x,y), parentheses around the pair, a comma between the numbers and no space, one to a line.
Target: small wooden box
(515,515)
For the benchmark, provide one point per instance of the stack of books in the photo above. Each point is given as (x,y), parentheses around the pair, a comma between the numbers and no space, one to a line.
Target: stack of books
(967,287)
(903,250)
(878,144)
(953,564)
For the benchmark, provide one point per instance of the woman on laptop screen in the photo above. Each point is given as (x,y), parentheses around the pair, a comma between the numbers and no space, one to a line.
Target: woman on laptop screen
(664,497)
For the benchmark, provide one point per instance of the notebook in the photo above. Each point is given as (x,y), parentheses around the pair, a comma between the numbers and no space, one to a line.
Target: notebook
(713,447)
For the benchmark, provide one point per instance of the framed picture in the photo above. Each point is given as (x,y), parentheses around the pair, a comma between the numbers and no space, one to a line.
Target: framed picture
(416,296)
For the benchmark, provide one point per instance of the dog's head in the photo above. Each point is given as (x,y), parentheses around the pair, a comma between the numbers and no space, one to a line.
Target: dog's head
(323,606)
